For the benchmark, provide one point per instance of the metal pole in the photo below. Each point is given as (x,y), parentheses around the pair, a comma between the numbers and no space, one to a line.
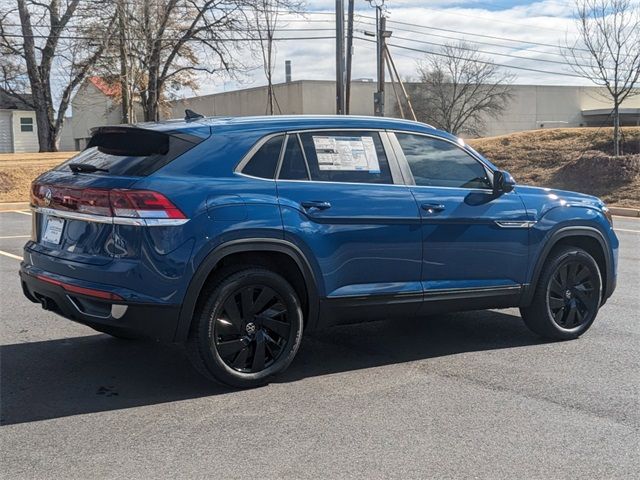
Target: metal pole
(340,110)
(378,97)
(350,9)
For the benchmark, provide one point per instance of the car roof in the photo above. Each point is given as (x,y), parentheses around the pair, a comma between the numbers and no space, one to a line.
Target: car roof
(278,123)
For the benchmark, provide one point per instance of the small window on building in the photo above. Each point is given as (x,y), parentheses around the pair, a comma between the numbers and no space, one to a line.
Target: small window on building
(264,162)
(26,124)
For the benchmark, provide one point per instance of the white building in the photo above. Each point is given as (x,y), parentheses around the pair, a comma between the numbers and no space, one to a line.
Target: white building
(18,128)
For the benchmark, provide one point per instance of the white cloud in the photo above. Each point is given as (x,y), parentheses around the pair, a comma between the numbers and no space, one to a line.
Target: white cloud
(544,22)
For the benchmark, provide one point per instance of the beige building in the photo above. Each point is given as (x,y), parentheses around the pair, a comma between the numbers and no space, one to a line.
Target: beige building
(18,128)
(532,106)
(96,103)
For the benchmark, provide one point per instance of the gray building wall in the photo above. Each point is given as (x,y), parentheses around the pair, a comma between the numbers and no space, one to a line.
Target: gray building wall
(532,106)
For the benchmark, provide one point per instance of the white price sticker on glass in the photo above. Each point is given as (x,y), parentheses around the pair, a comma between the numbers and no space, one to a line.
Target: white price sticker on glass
(346,154)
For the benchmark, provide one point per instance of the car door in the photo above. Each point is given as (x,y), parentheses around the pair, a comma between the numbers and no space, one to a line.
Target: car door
(343,203)
(474,240)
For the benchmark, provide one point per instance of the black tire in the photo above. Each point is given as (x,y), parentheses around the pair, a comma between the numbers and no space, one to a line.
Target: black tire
(567,296)
(247,329)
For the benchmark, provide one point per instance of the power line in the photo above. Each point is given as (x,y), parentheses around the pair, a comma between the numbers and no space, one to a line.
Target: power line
(514,67)
(494,37)
(232,39)
(471,49)
(475,41)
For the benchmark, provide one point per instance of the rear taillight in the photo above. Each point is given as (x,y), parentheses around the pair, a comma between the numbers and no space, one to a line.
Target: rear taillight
(142,204)
(105,202)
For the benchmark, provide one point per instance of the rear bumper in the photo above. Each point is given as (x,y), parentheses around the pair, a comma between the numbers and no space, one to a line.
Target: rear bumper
(154,321)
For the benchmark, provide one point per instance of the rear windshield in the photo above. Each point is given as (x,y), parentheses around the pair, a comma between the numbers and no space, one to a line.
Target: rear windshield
(131,151)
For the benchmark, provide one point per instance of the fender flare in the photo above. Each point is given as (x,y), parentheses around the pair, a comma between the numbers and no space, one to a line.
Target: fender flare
(572,231)
(238,246)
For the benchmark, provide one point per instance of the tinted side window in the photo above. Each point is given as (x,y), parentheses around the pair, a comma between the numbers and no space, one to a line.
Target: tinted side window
(264,162)
(346,157)
(438,163)
(293,164)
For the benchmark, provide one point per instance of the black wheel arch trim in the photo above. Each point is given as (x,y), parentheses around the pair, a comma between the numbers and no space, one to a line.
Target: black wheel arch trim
(573,231)
(238,246)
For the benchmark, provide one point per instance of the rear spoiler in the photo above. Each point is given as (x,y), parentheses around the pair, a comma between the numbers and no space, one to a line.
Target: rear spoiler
(129,141)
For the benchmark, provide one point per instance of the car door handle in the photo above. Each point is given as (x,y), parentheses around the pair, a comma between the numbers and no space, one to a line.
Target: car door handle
(433,207)
(314,204)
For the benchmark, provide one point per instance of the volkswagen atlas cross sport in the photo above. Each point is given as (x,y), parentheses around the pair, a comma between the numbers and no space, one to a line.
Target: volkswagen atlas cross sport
(236,235)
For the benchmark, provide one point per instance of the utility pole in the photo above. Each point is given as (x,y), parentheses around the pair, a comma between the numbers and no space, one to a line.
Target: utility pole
(381,36)
(124,63)
(350,9)
(340,105)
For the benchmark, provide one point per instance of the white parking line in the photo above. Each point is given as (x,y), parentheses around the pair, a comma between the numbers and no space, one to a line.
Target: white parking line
(10,255)
(14,236)
(23,212)
(625,230)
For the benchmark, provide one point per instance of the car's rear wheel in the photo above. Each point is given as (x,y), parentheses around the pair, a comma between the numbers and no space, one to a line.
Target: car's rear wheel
(567,297)
(247,329)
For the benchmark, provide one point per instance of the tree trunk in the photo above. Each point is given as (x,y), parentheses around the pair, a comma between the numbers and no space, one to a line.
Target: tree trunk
(616,128)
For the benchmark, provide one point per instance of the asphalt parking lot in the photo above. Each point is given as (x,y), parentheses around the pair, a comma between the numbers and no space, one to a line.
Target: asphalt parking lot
(472,395)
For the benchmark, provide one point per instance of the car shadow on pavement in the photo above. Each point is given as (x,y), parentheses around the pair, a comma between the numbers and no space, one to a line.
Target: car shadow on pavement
(58,378)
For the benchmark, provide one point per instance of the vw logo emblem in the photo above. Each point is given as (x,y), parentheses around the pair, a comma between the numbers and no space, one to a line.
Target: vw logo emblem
(251,328)
(48,195)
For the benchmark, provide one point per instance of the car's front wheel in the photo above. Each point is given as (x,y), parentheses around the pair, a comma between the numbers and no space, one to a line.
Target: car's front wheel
(567,297)
(248,328)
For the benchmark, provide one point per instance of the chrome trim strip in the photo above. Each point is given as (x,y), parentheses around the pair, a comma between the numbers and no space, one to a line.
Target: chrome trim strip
(88,217)
(104,317)
(515,223)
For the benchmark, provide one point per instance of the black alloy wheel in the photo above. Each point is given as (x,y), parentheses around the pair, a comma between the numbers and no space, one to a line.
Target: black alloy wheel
(251,328)
(566,297)
(572,295)
(248,327)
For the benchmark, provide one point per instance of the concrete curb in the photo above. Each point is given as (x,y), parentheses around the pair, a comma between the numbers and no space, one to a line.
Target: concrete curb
(4,206)
(625,212)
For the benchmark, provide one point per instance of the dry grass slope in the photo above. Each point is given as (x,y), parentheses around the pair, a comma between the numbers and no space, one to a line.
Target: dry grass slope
(17,171)
(572,159)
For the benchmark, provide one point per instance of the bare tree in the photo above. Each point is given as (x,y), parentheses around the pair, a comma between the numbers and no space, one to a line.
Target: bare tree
(607,51)
(181,38)
(267,15)
(49,48)
(458,89)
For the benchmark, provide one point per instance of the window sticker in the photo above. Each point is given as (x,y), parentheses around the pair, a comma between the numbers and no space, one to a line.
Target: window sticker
(346,154)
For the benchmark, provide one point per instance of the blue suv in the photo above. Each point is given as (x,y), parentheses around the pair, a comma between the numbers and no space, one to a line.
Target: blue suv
(235,235)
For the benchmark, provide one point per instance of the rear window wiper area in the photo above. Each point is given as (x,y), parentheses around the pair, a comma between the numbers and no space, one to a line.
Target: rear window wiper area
(85,168)
(129,151)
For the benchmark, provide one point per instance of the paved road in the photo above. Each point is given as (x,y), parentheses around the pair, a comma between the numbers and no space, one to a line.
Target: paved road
(471,395)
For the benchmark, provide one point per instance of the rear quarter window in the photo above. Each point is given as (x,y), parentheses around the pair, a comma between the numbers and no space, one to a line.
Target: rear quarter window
(263,163)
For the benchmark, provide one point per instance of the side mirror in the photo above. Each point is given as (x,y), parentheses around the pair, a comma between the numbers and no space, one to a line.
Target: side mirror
(503,182)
